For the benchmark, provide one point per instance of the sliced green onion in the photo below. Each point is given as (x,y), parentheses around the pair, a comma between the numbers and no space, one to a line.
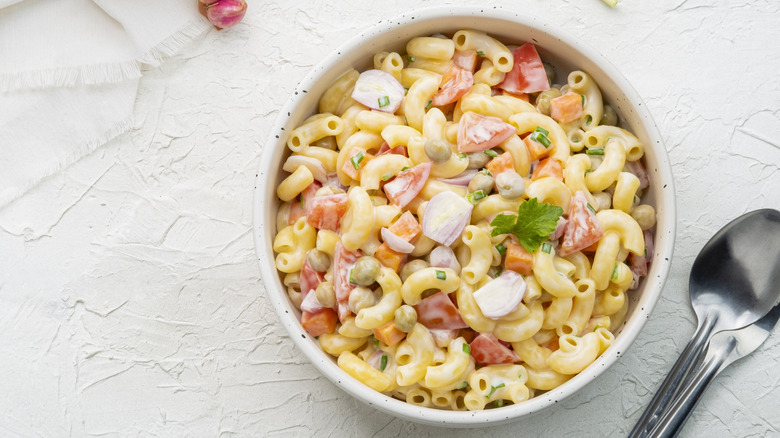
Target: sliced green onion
(405,168)
(375,342)
(383,363)
(441,275)
(500,270)
(590,207)
(475,197)
(383,101)
(462,385)
(351,279)
(356,160)
(493,389)
(598,326)
(546,247)
(499,403)
(500,248)
(540,136)
(485,172)
(406,90)
(303,204)
(588,120)
(491,153)
(595,151)
(466,348)
(615,272)
(462,156)
(387,176)
(645,252)
(583,99)
(410,58)
(480,53)
(428,105)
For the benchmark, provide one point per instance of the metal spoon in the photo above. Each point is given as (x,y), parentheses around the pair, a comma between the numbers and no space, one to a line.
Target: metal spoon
(725,347)
(732,284)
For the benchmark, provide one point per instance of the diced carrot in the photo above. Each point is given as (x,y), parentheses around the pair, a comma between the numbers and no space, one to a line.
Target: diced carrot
(502,163)
(406,227)
(548,167)
(349,164)
(389,334)
(389,258)
(566,108)
(536,151)
(319,323)
(518,259)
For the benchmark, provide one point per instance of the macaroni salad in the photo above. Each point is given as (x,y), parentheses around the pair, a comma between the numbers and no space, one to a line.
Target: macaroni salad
(458,230)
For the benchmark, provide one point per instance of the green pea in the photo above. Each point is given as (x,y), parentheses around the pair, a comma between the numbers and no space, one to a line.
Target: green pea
(366,271)
(510,185)
(318,260)
(405,318)
(437,150)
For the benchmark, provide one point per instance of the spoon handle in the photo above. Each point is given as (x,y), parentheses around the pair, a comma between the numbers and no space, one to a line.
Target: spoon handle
(677,376)
(673,420)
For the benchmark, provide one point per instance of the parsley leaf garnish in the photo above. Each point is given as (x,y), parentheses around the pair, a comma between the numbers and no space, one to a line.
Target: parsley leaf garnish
(532,225)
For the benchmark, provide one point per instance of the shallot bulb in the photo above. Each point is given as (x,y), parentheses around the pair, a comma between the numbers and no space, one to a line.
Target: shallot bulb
(223,13)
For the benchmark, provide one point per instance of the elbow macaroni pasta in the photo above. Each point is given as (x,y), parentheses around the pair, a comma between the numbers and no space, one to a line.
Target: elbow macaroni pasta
(431,352)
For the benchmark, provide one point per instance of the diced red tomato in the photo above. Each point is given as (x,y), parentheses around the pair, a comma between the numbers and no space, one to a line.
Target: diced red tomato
(582,229)
(309,279)
(500,164)
(398,150)
(297,206)
(325,212)
(518,259)
(477,132)
(527,74)
(438,312)
(566,108)
(389,258)
(465,59)
(407,185)
(349,167)
(406,227)
(343,262)
(548,167)
(536,151)
(389,334)
(319,323)
(487,350)
(454,84)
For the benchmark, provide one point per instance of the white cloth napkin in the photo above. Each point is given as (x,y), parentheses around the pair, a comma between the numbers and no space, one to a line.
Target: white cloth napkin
(69,74)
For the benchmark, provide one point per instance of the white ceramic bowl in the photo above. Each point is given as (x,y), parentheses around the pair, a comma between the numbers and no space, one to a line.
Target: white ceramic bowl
(563,51)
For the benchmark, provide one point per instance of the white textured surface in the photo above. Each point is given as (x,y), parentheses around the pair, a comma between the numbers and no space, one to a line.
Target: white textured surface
(130,301)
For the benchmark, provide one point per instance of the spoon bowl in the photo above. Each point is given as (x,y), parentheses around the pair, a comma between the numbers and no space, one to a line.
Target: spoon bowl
(732,276)
(732,285)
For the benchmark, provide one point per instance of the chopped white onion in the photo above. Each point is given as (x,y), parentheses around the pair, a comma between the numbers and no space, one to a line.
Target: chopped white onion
(442,337)
(314,165)
(445,217)
(559,228)
(396,243)
(501,296)
(444,257)
(378,90)
(461,179)
(311,303)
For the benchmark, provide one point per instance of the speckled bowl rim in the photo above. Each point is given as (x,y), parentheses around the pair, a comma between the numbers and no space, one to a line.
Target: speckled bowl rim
(397,30)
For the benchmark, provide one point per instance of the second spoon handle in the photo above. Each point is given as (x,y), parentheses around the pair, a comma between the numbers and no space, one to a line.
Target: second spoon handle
(677,376)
